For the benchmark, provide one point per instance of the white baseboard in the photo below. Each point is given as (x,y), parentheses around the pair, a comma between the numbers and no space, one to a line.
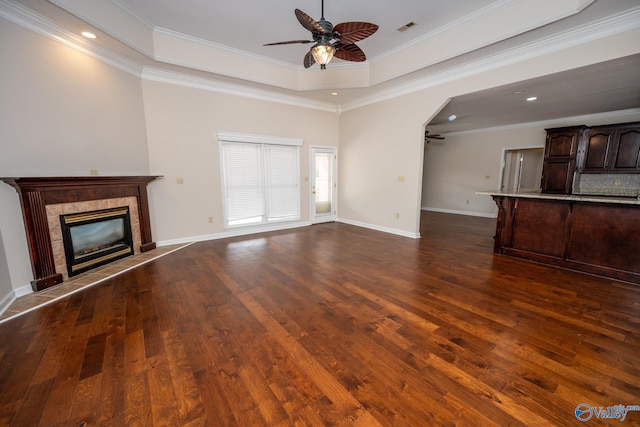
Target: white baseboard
(23,290)
(7,301)
(380,228)
(234,233)
(457,212)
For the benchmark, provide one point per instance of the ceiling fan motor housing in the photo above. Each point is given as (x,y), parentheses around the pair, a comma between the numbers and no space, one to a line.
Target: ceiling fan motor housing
(326,26)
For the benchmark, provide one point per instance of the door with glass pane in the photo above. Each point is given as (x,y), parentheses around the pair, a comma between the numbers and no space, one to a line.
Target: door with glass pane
(323,184)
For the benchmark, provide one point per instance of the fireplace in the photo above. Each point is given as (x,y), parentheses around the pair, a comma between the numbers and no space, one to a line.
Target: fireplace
(95,238)
(39,194)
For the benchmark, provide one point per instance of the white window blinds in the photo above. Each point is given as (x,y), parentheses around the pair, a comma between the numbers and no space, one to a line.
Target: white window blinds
(261,182)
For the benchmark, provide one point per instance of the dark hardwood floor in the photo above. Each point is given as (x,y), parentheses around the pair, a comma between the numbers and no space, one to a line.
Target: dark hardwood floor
(329,325)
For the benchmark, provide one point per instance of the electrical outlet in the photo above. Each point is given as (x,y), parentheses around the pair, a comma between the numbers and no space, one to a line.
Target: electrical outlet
(179,180)
(487,177)
(397,215)
(401,179)
(93,172)
(210,220)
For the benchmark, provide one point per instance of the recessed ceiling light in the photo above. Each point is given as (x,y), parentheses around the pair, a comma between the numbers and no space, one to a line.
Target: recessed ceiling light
(452,117)
(532,98)
(518,92)
(89,35)
(334,93)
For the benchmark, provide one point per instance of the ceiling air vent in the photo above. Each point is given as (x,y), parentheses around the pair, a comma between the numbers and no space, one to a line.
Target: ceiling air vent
(405,27)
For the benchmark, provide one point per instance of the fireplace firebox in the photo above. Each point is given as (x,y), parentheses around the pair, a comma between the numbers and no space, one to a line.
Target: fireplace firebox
(95,238)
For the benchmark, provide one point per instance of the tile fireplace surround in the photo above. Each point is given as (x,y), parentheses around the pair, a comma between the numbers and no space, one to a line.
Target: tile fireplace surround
(43,199)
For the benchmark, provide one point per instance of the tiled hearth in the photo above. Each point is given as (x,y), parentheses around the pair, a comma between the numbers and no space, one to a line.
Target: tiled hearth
(78,283)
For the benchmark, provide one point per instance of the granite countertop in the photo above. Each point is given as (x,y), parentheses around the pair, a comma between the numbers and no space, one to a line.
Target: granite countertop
(567,197)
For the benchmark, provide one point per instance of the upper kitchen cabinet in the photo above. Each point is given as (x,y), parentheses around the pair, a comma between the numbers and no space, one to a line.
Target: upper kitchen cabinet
(627,150)
(612,149)
(560,154)
(563,142)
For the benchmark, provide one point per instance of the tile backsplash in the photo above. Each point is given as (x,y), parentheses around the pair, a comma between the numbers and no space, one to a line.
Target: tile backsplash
(607,184)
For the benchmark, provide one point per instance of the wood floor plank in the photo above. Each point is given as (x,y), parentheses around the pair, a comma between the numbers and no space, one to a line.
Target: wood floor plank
(329,325)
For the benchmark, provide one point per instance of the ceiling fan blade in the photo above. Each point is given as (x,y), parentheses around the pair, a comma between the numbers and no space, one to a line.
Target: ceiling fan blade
(289,42)
(309,60)
(351,32)
(437,136)
(349,52)
(308,22)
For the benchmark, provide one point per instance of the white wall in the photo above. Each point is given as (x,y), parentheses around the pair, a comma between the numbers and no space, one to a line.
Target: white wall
(380,145)
(182,124)
(467,162)
(456,168)
(382,141)
(62,113)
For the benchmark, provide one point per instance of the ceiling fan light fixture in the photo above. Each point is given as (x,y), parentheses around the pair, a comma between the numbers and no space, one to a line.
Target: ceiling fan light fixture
(323,53)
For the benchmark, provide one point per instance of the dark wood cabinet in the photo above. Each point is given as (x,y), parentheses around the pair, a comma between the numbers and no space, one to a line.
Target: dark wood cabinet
(626,156)
(609,149)
(557,176)
(598,149)
(563,142)
(560,155)
(612,149)
(591,236)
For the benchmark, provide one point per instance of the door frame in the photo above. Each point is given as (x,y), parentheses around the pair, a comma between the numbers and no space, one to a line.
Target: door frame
(503,160)
(330,217)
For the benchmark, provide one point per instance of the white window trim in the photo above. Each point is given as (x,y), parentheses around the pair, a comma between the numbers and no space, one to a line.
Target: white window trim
(258,139)
(253,139)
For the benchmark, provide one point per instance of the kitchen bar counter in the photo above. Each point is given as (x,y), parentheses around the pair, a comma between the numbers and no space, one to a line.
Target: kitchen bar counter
(568,197)
(593,234)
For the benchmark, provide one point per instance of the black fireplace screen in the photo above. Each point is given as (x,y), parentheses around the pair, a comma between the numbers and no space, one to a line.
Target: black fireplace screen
(95,238)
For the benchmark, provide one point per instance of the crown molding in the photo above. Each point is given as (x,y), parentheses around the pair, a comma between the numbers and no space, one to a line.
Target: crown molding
(115,19)
(185,38)
(164,45)
(478,29)
(629,20)
(185,80)
(31,21)
(631,113)
(605,27)
(25,18)
(452,26)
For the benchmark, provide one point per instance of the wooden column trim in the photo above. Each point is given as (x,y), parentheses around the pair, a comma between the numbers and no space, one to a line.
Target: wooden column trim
(37,229)
(37,192)
(145,222)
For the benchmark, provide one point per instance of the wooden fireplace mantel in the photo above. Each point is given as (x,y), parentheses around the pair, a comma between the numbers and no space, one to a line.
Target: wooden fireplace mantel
(37,192)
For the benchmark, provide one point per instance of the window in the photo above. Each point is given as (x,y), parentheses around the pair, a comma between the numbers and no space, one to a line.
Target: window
(260,179)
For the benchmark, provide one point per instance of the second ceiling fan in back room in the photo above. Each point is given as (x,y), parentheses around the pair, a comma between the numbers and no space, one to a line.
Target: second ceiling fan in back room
(330,41)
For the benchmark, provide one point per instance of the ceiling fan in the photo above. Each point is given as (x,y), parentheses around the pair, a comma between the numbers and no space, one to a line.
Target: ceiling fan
(428,138)
(330,41)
